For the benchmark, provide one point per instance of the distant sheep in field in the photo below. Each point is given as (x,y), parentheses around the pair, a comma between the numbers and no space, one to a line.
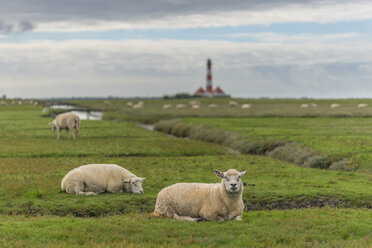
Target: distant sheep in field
(180,106)
(304,105)
(246,106)
(107,103)
(335,105)
(19,102)
(129,104)
(93,179)
(3,103)
(196,106)
(192,103)
(233,104)
(68,121)
(167,106)
(36,104)
(212,105)
(362,105)
(314,105)
(202,201)
(13,102)
(138,105)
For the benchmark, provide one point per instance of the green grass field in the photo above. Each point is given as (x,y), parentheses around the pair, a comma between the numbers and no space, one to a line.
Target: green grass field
(35,213)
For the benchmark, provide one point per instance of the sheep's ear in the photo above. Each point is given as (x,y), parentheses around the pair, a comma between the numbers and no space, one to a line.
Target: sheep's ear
(242,173)
(142,178)
(126,181)
(219,173)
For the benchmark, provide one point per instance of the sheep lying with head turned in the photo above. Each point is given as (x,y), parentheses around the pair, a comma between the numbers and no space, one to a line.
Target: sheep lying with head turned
(92,179)
(68,121)
(201,201)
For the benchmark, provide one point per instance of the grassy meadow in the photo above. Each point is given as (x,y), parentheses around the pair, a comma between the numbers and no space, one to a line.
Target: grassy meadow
(284,208)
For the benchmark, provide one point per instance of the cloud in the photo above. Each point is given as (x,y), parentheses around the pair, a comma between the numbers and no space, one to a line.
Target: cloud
(154,68)
(81,15)
(22,26)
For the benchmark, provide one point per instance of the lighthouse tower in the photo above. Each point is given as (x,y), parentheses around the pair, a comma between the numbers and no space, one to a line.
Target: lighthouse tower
(209,88)
(209,91)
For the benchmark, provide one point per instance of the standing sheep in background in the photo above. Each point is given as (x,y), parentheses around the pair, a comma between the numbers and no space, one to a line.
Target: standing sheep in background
(362,105)
(202,201)
(180,106)
(212,105)
(335,105)
(167,106)
(129,104)
(314,105)
(93,179)
(304,105)
(68,121)
(3,103)
(196,106)
(233,104)
(107,103)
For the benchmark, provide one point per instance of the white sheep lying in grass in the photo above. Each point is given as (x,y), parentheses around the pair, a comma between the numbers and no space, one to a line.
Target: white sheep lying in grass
(201,201)
(335,105)
(92,179)
(68,121)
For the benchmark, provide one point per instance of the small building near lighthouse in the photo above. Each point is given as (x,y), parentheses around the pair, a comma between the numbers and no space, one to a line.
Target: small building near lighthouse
(209,91)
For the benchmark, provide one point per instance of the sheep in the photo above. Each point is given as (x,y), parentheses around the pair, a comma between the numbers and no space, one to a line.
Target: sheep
(212,105)
(246,106)
(68,121)
(136,106)
(13,102)
(335,105)
(107,103)
(196,106)
(129,104)
(93,179)
(167,106)
(19,102)
(233,104)
(3,103)
(194,103)
(362,105)
(179,106)
(201,201)
(304,105)
(36,104)
(314,105)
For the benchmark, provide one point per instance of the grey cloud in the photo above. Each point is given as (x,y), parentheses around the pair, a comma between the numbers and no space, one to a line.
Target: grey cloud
(22,26)
(127,10)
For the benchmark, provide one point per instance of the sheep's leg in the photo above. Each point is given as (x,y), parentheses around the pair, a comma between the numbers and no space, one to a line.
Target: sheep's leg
(68,133)
(86,193)
(239,217)
(73,133)
(186,218)
(58,133)
(78,188)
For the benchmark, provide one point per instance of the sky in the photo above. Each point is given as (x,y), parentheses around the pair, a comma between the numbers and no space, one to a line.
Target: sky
(126,48)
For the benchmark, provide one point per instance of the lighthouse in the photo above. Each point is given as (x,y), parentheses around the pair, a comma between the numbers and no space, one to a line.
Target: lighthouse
(209,87)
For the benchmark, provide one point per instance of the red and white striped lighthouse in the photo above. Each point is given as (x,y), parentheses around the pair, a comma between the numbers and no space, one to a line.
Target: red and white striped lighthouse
(209,89)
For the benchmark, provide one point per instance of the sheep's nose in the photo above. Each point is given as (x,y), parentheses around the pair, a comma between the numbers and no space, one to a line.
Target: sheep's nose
(233,185)
(141,191)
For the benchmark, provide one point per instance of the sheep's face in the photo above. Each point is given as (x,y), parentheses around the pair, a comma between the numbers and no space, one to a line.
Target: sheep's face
(134,184)
(54,128)
(231,180)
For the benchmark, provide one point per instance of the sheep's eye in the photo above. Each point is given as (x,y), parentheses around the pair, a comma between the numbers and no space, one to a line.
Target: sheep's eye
(226,179)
